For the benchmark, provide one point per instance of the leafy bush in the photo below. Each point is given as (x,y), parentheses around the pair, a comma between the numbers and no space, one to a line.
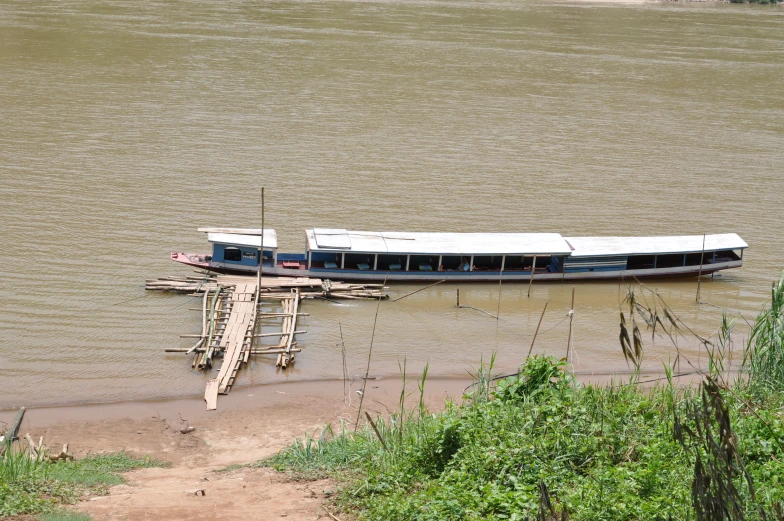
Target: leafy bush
(597,452)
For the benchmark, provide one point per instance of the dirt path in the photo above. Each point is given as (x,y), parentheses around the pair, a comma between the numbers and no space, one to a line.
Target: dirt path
(251,424)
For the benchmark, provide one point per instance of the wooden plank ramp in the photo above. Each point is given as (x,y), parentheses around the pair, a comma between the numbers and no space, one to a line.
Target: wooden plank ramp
(229,329)
(231,307)
(239,326)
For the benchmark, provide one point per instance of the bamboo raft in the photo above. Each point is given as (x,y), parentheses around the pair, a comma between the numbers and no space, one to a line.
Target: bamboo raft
(233,310)
(271,286)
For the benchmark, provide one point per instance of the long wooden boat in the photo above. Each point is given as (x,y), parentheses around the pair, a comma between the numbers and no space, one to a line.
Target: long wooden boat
(398,256)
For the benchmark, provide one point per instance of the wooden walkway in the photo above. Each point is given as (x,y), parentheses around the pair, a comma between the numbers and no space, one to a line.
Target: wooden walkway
(235,340)
(232,317)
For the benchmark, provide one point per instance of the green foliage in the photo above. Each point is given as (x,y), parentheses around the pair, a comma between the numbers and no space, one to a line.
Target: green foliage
(64,515)
(763,360)
(539,375)
(100,469)
(600,453)
(33,485)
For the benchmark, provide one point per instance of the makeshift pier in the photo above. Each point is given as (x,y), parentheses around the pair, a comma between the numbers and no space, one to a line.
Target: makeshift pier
(233,311)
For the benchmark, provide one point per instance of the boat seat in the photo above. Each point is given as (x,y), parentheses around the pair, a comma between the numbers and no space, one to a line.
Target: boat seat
(394,267)
(425,267)
(363,266)
(331,265)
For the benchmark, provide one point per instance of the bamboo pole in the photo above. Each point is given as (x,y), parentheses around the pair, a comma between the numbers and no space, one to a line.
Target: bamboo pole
(367,369)
(292,325)
(531,280)
(14,429)
(498,308)
(699,275)
(375,429)
(261,248)
(346,384)
(571,317)
(258,283)
(530,350)
(420,289)
(203,324)
(273,351)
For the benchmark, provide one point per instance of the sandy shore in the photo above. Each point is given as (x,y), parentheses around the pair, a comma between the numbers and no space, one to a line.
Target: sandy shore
(251,423)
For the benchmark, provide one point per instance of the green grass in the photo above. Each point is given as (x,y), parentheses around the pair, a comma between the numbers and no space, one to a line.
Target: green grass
(32,486)
(231,468)
(102,469)
(64,515)
(615,452)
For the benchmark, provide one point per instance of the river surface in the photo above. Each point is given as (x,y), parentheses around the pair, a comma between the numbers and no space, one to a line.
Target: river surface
(125,126)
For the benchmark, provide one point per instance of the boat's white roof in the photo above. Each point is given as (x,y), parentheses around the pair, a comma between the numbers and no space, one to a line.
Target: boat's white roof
(414,243)
(598,246)
(251,238)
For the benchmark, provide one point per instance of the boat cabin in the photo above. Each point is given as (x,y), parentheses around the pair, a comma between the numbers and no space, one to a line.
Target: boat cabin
(339,249)
(239,247)
(524,253)
(669,254)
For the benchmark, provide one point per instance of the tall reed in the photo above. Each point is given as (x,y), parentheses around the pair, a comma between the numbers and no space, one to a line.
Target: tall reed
(763,359)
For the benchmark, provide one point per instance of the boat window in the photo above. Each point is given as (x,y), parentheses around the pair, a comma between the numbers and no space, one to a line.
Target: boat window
(694,259)
(513,263)
(487,262)
(640,262)
(232,254)
(672,260)
(543,263)
(359,261)
(423,263)
(391,262)
(727,255)
(325,260)
(450,262)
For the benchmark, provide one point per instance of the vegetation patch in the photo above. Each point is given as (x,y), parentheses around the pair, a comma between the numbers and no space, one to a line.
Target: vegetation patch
(33,485)
(539,445)
(64,515)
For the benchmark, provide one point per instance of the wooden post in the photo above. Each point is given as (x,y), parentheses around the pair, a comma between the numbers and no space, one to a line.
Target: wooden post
(458,297)
(12,432)
(699,275)
(531,280)
(571,316)
(261,249)
(531,349)
(367,369)
(498,309)
(346,384)
(257,299)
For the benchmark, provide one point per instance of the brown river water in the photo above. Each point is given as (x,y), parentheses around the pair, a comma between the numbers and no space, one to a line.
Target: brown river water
(125,126)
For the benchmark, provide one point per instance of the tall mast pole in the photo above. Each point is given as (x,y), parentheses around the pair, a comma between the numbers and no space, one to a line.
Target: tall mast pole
(261,248)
